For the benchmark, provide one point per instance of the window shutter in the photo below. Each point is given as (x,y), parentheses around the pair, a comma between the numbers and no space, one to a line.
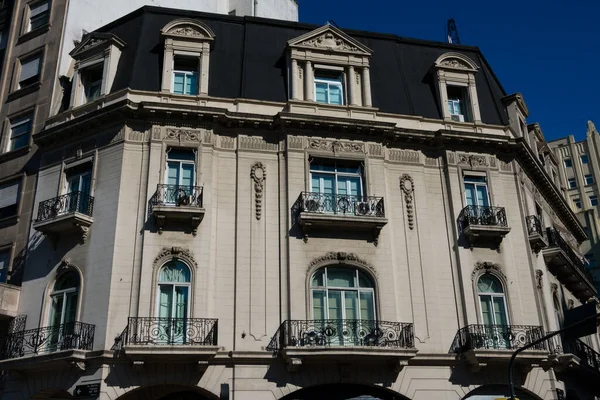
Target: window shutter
(30,69)
(9,194)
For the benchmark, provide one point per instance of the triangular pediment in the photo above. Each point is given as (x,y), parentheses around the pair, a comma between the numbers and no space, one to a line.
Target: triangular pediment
(96,41)
(330,38)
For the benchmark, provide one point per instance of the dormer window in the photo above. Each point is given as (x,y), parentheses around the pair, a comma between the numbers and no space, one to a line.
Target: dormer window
(456,84)
(96,60)
(186,57)
(329,88)
(329,67)
(185,75)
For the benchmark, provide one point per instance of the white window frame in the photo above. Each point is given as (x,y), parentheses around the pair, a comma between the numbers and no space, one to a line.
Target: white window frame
(589,179)
(491,294)
(595,198)
(185,77)
(331,82)
(485,184)
(15,122)
(173,285)
(572,183)
(335,175)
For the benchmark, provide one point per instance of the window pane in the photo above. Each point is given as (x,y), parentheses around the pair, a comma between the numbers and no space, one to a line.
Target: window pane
(185,155)
(486,310)
(584,159)
(340,277)
(499,311)
(317,279)
(4,260)
(318,300)
(39,8)
(470,194)
(335,95)
(165,301)
(364,281)
(321,92)
(489,284)
(67,280)
(181,300)
(9,194)
(335,304)
(351,304)
(367,309)
(187,175)
(482,196)
(173,173)
(20,127)
(178,80)
(70,308)
(327,184)
(568,163)
(30,70)
(191,84)
(174,271)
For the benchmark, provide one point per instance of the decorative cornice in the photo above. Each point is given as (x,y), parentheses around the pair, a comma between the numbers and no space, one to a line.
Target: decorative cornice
(329,38)
(456,61)
(341,258)
(183,135)
(172,253)
(188,28)
(408,187)
(258,173)
(474,161)
(487,268)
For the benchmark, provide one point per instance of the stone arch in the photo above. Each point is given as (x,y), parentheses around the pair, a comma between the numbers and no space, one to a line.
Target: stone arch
(189,28)
(341,258)
(500,391)
(169,392)
(456,61)
(166,255)
(342,391)
(65,266)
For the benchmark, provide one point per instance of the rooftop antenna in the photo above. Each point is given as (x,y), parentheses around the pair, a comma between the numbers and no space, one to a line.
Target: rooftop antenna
(332,22)
(452,32)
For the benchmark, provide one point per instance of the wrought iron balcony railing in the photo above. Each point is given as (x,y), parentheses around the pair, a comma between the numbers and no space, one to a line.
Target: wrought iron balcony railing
(555,239)
(171,331)
(497,337)
(49,339)
(346,332)
(534,225)
(68,203)
(339,204)
(482,215)
(587,355)
(177,196)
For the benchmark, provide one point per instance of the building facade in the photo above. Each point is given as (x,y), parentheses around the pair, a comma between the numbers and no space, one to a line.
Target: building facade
(36,38)
(244,208)
(579,166)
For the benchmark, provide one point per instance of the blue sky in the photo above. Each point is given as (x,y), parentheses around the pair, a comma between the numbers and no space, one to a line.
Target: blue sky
(547,50)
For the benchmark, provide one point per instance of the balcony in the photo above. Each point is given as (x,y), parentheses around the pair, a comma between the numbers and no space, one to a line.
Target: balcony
(174,204)
(159,339)
(573,355)
(568,267)
(479,345)
(361,341)
(47,346)
(483,224)
(340,212)
(537,237)
(66,213)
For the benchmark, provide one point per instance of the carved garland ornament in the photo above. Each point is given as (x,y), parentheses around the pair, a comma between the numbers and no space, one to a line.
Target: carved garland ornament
(170,253)
(487,268)
(454,63)
(186,31)
(183,135)
(258,174)
(336,146)
(408,187)
(473,161)
(340,257)
(329,41)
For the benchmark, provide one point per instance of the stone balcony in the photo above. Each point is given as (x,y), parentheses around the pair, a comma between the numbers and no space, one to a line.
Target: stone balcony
(170,340)
(331,213)
(482,225)
(64,214)
(364,342)
(174,204)
(480,345)
(568,267)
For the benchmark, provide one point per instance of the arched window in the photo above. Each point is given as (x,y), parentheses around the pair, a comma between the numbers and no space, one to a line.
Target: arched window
(172,303)
(64,299)
(342,294)
(557,312)
(492,301)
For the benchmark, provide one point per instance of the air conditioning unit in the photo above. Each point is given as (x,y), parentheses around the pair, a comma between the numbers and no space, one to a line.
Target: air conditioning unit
(362,208)
(458,117)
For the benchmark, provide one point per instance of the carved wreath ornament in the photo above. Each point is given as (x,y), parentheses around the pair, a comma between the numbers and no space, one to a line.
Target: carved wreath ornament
(258,173)
(408,187)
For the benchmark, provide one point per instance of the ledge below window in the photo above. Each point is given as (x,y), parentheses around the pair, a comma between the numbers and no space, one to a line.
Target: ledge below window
(34,87)
(31,34)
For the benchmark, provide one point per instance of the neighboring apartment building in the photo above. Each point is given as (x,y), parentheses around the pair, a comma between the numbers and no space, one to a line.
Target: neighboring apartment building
(243,208)
(579,172)
(35,38)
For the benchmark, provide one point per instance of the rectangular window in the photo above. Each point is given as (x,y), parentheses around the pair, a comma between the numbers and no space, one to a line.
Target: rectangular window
(577,202)
(91,79)
(20,130)
(4,261)
(30,71)
(336,186)
(39,15)
(458,103)
(584,159)
(79,187)
(329,88)
(572,183)
(185,75)
(589,179)
(594,200)
(9,199)
(179,177)
(476,191)
(568,163)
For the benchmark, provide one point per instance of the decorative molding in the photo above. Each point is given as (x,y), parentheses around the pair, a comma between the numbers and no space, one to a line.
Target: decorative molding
(256,143)
(472,160)
(454,63)
(64,266)
(341,258)
(258,173)
(329,41)
(182,135)
(570,303)
(188,28)
(227,142)
(156,132)
(487,268)
(451,158)
(554,288)
(407,156)
(538,278)
(186,31)
(431,161)
(336,146)
(173,253)
(493,162)
(208,137)
(507,167)
(408,187)
(294,142)
(376,150)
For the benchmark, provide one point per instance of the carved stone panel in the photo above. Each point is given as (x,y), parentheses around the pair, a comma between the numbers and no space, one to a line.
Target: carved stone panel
(258,174)
(408,187)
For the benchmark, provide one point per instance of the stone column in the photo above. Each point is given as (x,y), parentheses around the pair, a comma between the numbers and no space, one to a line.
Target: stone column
(352,88)
(366,87)
(309,82)
(294,80)
(204,65)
